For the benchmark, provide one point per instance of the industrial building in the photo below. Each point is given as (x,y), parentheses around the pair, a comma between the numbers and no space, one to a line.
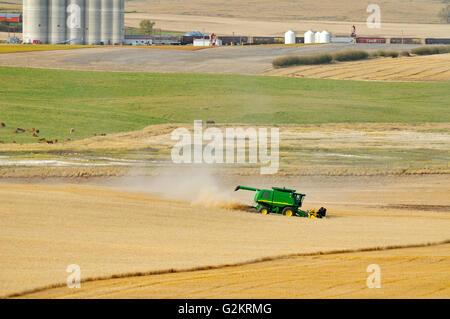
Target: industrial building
(11,17)
(74,21)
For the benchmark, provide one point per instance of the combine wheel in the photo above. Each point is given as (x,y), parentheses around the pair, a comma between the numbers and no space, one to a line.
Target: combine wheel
(288,211)
(264,210)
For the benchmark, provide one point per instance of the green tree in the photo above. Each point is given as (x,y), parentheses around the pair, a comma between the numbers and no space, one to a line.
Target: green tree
(444,14)
(146,27)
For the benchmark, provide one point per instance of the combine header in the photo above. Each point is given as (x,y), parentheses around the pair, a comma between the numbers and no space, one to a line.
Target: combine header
(282,201)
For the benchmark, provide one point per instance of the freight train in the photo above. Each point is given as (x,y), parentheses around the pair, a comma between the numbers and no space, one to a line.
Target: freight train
(253,40)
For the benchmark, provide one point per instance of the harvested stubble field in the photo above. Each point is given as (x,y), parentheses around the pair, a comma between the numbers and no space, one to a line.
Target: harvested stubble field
(119,232)
(273,18)
(417,68)
(400,11)
(269,18)
(282,279)
(245,26)
(341,10)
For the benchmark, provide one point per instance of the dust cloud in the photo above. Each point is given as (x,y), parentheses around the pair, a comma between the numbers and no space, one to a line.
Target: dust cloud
(195,185)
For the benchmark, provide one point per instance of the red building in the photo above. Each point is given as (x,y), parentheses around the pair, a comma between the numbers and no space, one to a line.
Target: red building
(11,17)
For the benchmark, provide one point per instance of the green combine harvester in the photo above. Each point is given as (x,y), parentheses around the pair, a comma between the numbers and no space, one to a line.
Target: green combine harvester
(282,201)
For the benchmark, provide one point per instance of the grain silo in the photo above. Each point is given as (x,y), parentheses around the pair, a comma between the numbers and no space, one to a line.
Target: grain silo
(76,21)
(118,27)
(325,37)
(93,21)
(309,36)
(37,21)
(73,21)
(289,37)
(107,23)
(25,15)
(57,21)
(317,37)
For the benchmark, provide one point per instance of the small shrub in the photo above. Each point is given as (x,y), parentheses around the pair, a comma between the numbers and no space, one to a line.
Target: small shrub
(284,61)
(428,50)
(392,54)
(381,53)
(290,60)
(351,55)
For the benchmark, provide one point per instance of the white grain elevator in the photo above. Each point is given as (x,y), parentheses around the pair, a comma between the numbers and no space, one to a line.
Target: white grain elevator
(74,21)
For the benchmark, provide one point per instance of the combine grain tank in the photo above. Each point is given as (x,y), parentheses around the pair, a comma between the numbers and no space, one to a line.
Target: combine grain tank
(57,21)
(37,21)
(76,21)
(107,22)
(93,21)
(309,36)
(289,37)
(118,28)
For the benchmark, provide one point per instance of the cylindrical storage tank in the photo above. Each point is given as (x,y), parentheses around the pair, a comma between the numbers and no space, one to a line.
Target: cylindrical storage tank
(118,21)
(38,21)
(106,26)
(25,24)
(93,21)
(309,36)
(289,37)
(325,37)
(57,22)
(76,21)
(317,37)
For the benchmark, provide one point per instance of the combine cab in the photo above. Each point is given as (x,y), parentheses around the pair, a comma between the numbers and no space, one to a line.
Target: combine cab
(282,201)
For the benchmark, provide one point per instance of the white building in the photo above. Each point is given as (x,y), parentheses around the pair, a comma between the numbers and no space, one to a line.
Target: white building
(138,40)
(206,42)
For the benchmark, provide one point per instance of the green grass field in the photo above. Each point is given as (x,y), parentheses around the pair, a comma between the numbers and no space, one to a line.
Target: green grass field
(106,102)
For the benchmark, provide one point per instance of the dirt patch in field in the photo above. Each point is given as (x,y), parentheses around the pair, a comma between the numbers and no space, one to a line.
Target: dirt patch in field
(180,59)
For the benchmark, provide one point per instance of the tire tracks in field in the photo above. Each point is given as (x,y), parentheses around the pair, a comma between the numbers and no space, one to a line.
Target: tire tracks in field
(223,266)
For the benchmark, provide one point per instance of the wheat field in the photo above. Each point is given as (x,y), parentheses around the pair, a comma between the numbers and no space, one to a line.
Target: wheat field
(418,68)
(273,18)
(399,11)
(420,272)
(116,231)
